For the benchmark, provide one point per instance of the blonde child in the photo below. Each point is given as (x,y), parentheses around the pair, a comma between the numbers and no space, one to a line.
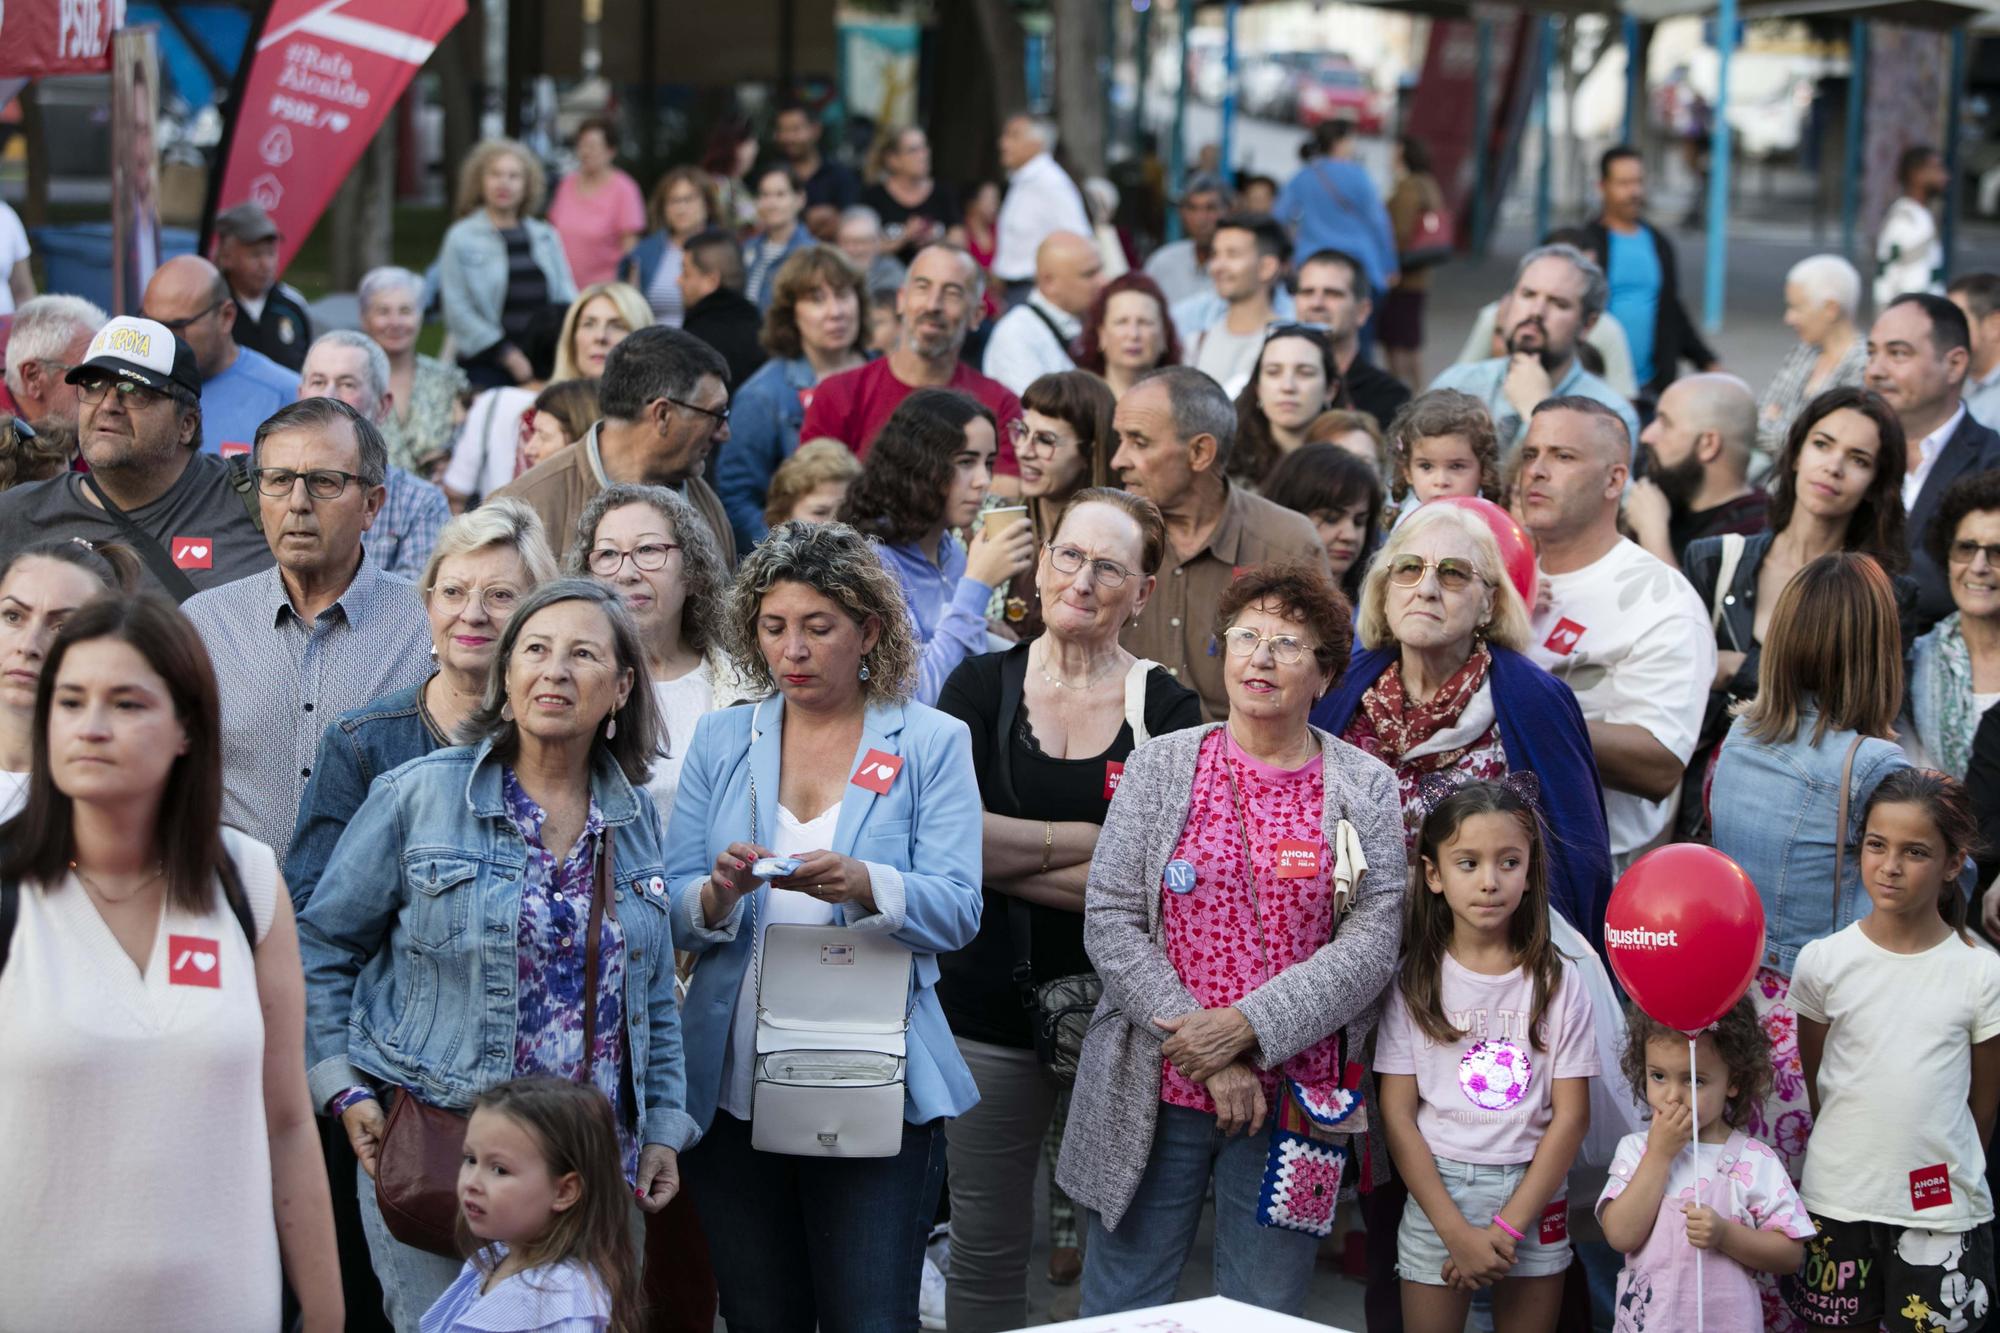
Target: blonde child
(547,1215)
(1899,1033)
(1443,443)
(1749,1218)
(1484,1061)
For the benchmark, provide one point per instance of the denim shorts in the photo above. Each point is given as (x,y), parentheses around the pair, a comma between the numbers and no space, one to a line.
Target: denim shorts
(1480,1191)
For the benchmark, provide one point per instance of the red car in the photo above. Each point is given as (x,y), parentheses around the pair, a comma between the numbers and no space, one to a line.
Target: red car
(1339,92)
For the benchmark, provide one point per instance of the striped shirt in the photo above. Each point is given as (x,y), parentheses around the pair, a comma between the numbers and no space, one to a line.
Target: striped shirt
(282,680)
(407,527)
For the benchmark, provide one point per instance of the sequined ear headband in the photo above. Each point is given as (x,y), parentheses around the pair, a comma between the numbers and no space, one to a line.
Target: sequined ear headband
(1434,789)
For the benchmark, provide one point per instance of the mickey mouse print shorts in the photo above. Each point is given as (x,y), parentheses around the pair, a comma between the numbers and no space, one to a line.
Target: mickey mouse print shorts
(1870,1274)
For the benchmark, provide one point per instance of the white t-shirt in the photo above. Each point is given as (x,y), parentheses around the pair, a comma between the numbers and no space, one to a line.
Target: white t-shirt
(13,793)
(1489,1096)
(774,907)
(1895,1141)
(13,249)
(1629,636)
(681,703)
(482,459)
(1227,358)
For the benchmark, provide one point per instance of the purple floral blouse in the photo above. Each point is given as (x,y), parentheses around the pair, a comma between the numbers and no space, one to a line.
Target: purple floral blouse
(549,953)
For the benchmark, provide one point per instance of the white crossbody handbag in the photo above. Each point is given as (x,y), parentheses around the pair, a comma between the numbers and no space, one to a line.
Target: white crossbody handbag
(832,1033)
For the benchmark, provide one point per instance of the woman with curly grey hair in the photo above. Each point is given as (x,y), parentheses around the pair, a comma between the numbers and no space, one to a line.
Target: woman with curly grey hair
(872,795)
(654,550)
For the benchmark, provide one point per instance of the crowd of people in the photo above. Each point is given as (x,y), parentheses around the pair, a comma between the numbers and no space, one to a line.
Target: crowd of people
(832,695)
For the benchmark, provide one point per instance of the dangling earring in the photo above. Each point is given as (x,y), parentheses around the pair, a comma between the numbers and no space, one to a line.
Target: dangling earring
(611,728)
(864,671)
(507,711)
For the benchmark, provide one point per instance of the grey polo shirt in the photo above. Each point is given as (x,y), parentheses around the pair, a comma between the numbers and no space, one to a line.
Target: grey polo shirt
(282,680)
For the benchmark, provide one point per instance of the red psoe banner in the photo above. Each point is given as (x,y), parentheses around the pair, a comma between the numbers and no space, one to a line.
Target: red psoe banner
(326,73)
(43,37)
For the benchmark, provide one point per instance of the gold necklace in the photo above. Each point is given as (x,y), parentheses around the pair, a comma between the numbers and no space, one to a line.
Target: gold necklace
(1062,684)
(159,871)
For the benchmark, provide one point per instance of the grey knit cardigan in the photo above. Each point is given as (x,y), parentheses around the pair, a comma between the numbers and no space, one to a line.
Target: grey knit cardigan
(1116,1101)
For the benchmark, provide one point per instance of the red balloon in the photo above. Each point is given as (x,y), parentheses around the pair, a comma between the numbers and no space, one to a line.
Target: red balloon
(1685,933)
(1517,553)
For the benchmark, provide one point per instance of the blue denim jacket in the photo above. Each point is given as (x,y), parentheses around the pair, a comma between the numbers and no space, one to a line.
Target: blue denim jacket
(356,748)
(472,277)
(1774,807)
(408,944)
(923,864)
(764,421)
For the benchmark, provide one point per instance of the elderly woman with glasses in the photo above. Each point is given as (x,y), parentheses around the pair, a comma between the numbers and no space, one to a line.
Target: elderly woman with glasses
(1243,951)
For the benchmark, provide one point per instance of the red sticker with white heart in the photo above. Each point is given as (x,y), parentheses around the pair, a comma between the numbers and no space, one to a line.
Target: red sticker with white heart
(1298,858)
(232,448)
(193,961)
(1555,1223)
(193,553)
(878,771)
(1930,1187)
(1114,773)
(1563,638)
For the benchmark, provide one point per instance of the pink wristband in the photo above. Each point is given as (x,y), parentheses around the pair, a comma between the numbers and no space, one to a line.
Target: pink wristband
(1505,1226)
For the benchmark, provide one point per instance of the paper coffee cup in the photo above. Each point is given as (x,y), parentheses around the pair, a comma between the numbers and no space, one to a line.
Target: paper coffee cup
(997,521)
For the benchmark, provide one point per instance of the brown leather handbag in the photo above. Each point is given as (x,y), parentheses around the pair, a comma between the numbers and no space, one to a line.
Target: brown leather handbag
(416,1166)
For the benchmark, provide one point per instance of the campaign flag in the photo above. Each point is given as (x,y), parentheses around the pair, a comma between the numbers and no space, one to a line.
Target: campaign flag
(324,75)
(43,37)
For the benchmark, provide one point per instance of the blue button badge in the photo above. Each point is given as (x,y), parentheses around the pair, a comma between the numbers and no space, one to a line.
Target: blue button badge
(1179,877)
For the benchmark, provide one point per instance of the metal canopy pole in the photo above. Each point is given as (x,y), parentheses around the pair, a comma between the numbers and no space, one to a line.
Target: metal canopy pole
(1953,130)
(1635,78)
(1229,12)
(1482,136)
(1142,61)
(1717,263)
(1177,150)
(1544,171)
(1857,118)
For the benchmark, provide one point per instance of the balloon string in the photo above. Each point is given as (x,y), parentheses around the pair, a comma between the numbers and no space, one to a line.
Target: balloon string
(1694,1134)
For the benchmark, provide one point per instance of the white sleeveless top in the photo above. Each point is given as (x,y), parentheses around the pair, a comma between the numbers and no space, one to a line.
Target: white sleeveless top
(137,1172)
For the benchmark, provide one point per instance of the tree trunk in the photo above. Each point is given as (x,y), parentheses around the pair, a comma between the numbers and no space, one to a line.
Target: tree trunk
(980,78)
(1080,47)
(456,60)
(35,209)
(362,214)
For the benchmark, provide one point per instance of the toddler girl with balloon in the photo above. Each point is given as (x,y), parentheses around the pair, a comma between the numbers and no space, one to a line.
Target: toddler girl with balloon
(1730,1198)
(1483,1064)
(1899,1032)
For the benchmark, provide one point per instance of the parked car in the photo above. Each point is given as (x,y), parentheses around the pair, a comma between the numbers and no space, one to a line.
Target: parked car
(1339,91)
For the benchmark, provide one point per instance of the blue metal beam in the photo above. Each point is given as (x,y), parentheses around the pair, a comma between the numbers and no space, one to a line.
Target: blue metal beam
(1857,125)
(1545,53)
(1228,137)
(1482,137)
(1954,166)
(1177,150)
(1635,79)
(1717,264)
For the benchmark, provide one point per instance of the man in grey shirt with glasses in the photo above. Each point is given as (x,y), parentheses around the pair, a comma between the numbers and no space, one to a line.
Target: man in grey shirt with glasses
(322,632)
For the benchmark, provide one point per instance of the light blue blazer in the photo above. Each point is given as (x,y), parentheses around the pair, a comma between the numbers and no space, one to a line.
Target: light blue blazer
(921,845)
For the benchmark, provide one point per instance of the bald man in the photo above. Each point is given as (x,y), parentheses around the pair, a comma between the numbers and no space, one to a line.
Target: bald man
(1035,337)
(1695,478)
(239,385)
(1624,631)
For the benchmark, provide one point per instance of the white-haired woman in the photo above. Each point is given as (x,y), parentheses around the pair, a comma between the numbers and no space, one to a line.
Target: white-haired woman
(424,389)
(1822,298)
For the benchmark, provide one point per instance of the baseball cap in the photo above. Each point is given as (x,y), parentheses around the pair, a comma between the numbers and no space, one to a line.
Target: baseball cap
(144,351)
(245,222)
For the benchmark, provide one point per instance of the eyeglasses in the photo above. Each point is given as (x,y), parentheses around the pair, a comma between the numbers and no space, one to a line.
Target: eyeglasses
(1069,560)
(1963,553)
(721,418)
(1292,328)
(606,561)
(496,601)
(177,325)
(1041,441)
(130,392)
(322,483)
(1287,649)
(1453,574)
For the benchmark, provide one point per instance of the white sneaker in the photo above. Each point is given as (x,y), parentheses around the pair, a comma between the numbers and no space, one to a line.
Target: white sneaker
(930,1297)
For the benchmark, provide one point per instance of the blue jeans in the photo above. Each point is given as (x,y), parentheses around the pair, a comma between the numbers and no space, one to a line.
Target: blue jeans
(412,1279)
(1139,1265)
(800,1243)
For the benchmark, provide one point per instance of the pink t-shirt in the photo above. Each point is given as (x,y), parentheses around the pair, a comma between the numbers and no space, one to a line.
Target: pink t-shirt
(1211,934)
(593,226)
(1489,1096)
(1743,1180)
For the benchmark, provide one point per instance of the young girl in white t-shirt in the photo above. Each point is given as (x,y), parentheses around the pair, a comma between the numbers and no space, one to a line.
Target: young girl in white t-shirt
(542,1193)
(1899,1032)
(1483,1062)
(1748,1218)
